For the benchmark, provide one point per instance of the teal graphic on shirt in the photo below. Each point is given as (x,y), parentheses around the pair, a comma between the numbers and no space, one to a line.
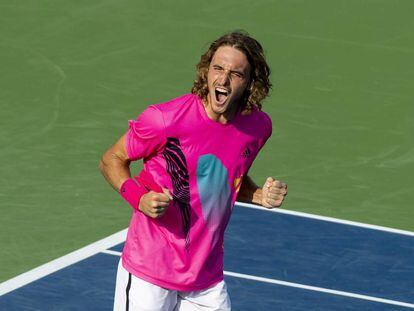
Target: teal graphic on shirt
(213,189)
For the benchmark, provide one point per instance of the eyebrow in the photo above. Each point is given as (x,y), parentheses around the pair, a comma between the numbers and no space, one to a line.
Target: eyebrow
(231,71)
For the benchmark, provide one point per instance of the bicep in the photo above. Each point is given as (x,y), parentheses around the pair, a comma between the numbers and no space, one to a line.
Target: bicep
(114,164)
(117,151)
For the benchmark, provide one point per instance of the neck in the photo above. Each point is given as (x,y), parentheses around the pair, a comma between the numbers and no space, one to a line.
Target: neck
(224,117)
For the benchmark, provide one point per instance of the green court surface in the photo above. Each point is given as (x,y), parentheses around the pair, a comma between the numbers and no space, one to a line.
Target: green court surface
(74,72)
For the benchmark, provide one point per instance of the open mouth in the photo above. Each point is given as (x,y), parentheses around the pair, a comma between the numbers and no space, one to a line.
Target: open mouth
(221,94)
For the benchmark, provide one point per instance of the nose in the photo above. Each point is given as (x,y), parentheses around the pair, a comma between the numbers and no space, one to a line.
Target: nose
(224,78)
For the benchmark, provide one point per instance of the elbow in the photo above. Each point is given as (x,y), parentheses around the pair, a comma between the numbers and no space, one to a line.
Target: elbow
(102,165)
(110,161)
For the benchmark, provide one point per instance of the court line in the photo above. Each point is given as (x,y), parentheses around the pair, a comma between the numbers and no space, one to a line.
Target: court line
(115,253)
(62,262)
(328,219)
(119,237)
(302,286)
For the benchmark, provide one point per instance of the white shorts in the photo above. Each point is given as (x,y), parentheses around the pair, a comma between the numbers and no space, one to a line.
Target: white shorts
(135,294)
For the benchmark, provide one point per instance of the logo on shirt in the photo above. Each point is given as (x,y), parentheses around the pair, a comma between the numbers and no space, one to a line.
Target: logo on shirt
(246,153)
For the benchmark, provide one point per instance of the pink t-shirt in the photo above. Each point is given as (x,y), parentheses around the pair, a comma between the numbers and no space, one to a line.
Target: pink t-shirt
(202,163)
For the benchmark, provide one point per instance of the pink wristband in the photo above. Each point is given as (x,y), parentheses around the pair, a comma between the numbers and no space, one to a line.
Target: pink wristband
(132,191)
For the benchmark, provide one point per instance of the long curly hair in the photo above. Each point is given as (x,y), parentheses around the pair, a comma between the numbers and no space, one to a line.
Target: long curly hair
(259,86)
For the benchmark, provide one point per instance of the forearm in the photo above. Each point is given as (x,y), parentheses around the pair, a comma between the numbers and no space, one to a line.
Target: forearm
(115,169)
(249,192)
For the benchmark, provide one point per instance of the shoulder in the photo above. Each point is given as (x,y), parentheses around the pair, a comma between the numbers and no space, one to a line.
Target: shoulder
(178,111)
(149,123)
(263,116)
(259,122)
(156,119)
(160,110)
(267,122)
(177,103)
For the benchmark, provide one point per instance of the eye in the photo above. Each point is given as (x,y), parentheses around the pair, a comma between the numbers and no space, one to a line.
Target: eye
(217,68)
(237,75)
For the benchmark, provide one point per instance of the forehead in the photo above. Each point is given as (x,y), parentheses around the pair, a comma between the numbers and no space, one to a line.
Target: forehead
(230,58)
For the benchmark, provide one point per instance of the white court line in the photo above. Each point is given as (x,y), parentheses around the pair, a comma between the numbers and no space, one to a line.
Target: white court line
(117,238)
(301,286)
(328,219)
(62,262)
(319,289)
(115,253)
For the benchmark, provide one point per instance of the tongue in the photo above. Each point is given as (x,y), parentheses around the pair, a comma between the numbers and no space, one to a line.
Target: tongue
(221,97)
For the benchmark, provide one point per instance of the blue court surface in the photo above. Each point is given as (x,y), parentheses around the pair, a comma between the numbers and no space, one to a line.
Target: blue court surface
(274,260)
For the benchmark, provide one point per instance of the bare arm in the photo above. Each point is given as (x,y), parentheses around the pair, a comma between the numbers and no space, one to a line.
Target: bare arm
(249,191)
(270,195)
(114,164)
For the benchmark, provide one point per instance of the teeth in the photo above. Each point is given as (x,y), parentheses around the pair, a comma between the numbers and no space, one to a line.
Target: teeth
(221,90)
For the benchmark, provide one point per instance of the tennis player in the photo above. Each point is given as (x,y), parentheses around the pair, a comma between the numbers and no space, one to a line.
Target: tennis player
(197,150)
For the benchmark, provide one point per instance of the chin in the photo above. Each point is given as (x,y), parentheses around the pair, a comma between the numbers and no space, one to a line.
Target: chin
(221,107)
(217,110)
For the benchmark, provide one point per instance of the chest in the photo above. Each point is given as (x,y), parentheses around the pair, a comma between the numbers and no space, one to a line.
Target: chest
(193,147)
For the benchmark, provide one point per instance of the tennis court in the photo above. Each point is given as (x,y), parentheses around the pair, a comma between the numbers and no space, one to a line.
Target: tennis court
(290,261)
(73,73)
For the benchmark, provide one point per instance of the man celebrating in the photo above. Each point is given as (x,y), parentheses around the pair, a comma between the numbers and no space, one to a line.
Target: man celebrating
(197,150)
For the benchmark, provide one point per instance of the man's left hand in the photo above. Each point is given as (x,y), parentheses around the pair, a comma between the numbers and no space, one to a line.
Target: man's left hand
(273,193)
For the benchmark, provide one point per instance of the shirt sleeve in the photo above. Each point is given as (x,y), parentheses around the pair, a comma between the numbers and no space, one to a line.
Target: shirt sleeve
(265,133)
(146,135)
(267,129)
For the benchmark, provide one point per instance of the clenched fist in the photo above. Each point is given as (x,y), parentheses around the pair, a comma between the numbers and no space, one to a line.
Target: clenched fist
(155,204)
(273,193)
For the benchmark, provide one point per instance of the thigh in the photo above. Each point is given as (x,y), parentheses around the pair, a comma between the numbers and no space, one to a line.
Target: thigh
(135,294)
(214,298)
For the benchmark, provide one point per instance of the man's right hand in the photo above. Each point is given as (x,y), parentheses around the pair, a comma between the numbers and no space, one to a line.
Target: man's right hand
(155,204)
